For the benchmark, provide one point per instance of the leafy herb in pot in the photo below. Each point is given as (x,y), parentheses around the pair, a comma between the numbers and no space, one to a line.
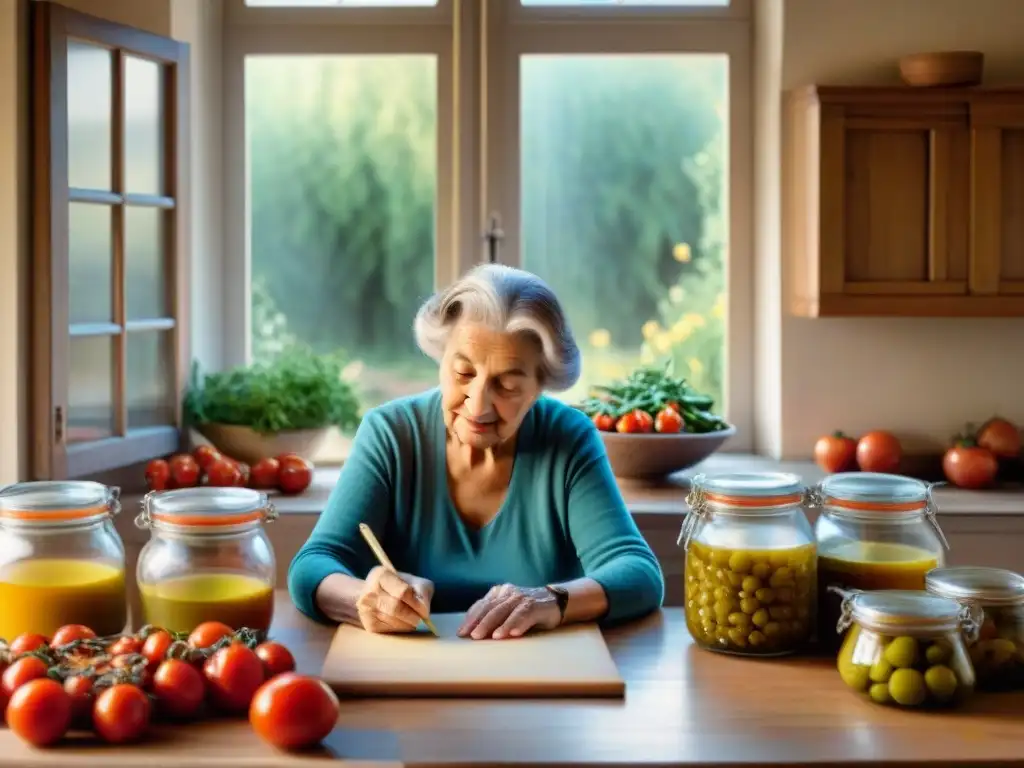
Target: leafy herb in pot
(298,390)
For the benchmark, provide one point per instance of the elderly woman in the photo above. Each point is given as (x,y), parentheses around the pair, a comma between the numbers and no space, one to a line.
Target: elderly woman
(488,497)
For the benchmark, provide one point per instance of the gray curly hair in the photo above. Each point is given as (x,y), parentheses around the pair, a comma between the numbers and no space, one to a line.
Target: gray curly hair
(508,300)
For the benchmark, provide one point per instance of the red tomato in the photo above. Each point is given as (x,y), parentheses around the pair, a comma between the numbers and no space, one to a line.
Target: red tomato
(79,689)
(233,674)
(39,712)
(283,458)
(155,647)
(27,643)
(276,659)
(668,420)
(243,473)
(1001,437)
(124,646)
(185,471)
(294,711)
(879,451)
(264,474)
(968,466)
(205,455)
(836,452)
(22,671)
(635,421)
(295,476)
(208,633)
(121,713)
(604,422)
(179,688)
(69,633)
(158,475)
(223,473)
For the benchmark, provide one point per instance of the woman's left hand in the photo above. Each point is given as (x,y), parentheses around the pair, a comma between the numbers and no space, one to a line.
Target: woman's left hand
(510,611)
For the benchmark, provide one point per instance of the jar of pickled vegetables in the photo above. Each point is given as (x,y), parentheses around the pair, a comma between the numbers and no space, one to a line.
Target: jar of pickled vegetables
(998,652)
(875,531)
(61,560)
(750,564)
(208,558)
(906,648)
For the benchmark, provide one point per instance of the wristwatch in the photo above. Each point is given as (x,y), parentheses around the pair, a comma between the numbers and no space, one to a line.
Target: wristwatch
(561,599)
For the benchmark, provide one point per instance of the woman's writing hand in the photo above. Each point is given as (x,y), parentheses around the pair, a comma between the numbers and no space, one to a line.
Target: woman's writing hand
(510,611)
(393,602)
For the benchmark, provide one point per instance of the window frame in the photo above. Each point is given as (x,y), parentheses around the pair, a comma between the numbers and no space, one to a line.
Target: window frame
(523,30)
(478,153)
(53,457)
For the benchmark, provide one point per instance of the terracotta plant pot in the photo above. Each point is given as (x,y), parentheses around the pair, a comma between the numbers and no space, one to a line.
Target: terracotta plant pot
(248,445)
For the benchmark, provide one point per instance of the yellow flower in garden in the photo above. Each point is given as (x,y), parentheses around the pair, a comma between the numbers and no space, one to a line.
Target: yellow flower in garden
(695,365)
(694,320)
(719,309)
(663,342)
(676,294)
(681,252)
(650,329)
(681,331)
(600,338)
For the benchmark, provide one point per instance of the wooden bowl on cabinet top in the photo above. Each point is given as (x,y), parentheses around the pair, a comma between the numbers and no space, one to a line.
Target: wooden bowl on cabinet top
(942,68)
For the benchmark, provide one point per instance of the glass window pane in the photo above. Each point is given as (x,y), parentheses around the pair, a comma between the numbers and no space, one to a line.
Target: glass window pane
(630,3)
(143,126)
(91,389)
(623,167)
(342,152)
(339,3)
(90,264)
(144,268)
(150,383)
(90,99)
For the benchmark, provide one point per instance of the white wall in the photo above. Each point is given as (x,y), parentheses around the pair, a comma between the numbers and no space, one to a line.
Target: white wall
(921,378)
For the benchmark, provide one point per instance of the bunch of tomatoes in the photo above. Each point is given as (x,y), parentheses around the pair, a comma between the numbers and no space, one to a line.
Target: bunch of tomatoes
(667,420)
(116,686)
(288,473)
(972,461)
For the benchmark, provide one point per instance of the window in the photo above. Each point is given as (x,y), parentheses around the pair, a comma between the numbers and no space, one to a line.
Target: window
(380,144)
(111,354)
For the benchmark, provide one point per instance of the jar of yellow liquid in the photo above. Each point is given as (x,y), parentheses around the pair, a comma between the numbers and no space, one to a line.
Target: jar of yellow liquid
(208,558)
(750,564)
(61,560)
(875,531)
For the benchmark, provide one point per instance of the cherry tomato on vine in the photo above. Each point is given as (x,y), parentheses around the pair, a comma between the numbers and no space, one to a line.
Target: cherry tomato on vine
(179,688)
(668,421)
(80,690)
(27,643)
(22,671)
(155,647)
(208,633)
(276,659)
(39,712)
(125,645)
(635,421)
(233,675)
(69,633)
(121,713)
(604,422)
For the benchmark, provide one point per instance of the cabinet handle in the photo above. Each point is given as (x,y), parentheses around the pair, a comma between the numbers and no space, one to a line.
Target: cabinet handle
(58,424)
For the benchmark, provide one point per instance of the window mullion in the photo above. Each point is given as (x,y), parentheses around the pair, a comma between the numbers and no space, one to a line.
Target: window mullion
(120,341)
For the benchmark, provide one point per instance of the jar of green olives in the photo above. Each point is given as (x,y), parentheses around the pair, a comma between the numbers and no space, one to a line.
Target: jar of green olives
(998,652)
(751,564)
(875,531)
(907,648)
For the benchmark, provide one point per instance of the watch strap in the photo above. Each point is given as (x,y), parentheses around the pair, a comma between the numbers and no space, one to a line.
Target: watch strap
(561,598)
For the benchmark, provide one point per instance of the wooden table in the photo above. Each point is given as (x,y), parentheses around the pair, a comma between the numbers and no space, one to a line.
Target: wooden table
(683,707)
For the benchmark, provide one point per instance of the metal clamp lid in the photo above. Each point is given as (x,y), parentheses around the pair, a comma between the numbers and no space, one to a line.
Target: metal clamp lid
(894,610)
(205,508)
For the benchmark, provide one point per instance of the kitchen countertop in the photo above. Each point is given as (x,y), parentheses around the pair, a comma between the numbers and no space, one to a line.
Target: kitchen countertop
(668,496)
(683,707)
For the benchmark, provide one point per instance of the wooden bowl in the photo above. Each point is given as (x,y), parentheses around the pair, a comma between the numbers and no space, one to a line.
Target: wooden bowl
(947,68)
(653,456)
(245,444)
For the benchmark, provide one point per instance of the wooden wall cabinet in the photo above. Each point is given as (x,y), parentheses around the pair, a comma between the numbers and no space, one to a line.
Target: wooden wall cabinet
(906,202)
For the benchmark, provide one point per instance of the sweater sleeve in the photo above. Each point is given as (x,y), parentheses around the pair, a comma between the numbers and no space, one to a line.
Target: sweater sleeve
(363,494)
(608,542)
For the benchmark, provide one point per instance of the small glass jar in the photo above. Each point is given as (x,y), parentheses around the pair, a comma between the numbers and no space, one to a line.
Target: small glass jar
(906,648)
(61,560)
(750,564)
(208,559)
(875,531)
(998,652)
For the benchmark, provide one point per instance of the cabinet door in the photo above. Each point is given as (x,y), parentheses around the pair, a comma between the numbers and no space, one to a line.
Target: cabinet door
(895,203)
(997,200)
